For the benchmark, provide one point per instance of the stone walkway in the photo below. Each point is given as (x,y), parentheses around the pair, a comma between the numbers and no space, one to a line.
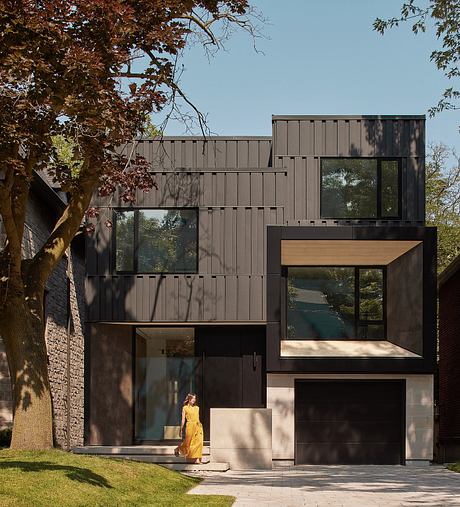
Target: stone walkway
(347,486)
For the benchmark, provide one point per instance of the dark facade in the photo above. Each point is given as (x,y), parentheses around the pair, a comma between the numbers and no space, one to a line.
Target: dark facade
(261,264)
(449,361)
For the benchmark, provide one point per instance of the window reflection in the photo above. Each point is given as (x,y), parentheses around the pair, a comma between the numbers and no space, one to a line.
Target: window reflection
(349,188)
(331,303)
(124,231)
(156,240)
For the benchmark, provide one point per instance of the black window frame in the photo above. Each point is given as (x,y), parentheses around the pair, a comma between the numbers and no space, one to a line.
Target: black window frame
(379,215)
(136,241)
(357,321)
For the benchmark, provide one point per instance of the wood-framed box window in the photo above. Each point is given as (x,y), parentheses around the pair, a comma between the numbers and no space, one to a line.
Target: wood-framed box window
(360,188)
(154,240)
(335,303)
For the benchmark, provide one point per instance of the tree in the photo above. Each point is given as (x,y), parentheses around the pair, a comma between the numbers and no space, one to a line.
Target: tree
(78,79)
(443,202)
(445,16)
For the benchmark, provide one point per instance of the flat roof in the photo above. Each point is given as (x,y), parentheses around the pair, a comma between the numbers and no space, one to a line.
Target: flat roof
(277,117)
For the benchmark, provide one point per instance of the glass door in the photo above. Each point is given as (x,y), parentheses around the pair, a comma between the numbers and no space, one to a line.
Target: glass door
(166,369)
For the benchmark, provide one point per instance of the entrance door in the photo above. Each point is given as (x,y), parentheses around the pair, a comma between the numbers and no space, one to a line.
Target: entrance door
(349,422)
(166,370)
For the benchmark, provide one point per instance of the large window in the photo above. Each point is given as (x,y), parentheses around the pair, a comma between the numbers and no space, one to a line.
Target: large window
(366,188)
(156,240)
(335,303)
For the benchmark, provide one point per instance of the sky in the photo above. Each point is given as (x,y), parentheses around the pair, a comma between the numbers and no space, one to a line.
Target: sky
(319,57)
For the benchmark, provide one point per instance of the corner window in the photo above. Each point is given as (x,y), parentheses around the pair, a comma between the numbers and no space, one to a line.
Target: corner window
(335,303)
(365,188)
(156,240)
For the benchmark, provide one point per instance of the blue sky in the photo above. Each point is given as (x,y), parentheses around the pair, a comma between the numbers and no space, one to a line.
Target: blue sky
(320,57)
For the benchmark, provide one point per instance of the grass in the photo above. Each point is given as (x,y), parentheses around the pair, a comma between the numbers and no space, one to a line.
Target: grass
(455,467)
(58,478)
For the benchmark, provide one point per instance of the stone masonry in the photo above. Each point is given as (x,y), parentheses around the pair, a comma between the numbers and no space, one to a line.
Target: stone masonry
(63,332)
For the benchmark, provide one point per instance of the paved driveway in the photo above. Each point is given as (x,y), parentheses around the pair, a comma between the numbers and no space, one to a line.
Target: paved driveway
(347,486)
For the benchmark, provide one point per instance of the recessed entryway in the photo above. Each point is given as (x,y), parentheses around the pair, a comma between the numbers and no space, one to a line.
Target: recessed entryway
(349,422)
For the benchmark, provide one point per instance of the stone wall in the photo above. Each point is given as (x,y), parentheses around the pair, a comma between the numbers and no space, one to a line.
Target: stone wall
(64,335)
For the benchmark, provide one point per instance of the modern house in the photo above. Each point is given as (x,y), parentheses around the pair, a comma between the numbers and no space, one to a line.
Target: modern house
(292,272)
(449,362)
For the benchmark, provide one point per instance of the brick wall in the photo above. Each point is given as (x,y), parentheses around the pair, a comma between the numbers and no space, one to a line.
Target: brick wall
(65,349)
(449,360)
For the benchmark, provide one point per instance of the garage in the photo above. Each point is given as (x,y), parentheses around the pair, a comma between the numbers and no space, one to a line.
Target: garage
(349,421)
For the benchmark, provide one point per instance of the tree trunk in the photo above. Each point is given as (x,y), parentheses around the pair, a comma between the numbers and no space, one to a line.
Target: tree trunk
(22,330)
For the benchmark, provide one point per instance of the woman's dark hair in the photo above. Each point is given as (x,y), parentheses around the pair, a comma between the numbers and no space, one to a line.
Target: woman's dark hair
(188,398)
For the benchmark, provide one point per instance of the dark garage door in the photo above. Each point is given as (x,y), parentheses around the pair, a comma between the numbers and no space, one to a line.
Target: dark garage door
(349,422)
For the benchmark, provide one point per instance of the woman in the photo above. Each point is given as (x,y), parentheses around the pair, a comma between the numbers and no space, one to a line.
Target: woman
(192,445)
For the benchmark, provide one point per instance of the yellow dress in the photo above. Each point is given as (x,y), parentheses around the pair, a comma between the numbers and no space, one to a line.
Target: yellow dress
(192,445)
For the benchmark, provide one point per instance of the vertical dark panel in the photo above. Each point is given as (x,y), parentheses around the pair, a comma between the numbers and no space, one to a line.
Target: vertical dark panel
(280,188)
(221,153)
(242,153)
(269,189)
(331,145)
(265,150)
(319,137)
(221,295)
(92,290)
(231,296)
(300,188)
(253,154)
(281,135)
(256,189)
(313,188)
(241,245)
(293,138)
(231,189)
(244,189)
(243,297)
(343,127)
(257,297)
(229,240)
(232,154)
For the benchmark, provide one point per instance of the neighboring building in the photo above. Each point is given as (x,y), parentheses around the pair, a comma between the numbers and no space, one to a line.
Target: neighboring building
(64,319)
(292,272)
(449,362)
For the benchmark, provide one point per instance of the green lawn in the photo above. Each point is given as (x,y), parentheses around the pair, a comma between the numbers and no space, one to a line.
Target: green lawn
(57,478)
(455,467)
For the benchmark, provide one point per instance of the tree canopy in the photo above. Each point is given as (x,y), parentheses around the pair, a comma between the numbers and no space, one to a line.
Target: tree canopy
(442,16)
(443,202)
(78,80)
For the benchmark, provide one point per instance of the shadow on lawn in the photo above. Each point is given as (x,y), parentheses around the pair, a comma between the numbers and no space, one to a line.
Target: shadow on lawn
(79,474)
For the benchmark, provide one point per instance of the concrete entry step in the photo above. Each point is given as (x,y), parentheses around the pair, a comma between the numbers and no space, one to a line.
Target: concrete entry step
(131,450)
(191,467)
(149,458)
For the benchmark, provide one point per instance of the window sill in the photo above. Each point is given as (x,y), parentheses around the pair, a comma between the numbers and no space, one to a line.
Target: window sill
(343,348)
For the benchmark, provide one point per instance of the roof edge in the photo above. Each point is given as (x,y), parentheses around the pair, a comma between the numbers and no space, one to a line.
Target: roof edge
(205,138)
(449,271)
(348,117)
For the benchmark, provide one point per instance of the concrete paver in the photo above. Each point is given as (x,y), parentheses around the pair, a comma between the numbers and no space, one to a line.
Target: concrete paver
(337,486)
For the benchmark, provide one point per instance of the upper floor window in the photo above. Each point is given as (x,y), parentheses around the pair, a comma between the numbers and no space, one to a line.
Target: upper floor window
(365,188)
(335,302)
(156,240)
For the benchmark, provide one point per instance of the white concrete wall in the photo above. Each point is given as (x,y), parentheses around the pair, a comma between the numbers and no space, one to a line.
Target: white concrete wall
(242,437)
(419,411)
